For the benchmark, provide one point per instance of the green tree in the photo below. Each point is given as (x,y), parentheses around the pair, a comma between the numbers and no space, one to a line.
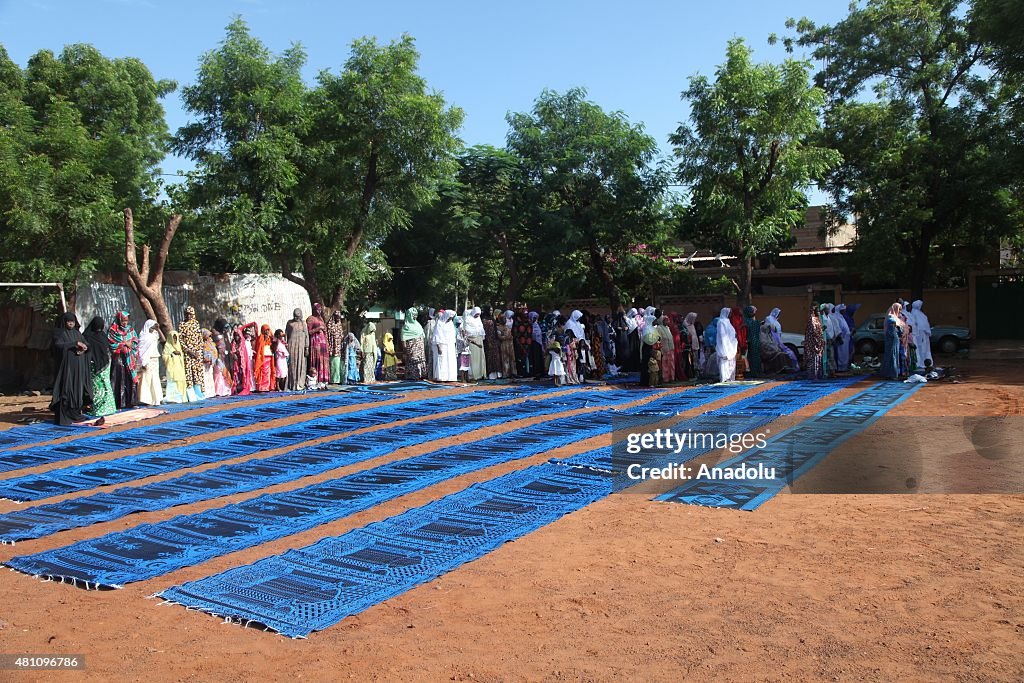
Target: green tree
(380,145)
(923,132)
(749,157)
(247,143)
(599,188)
(80,139)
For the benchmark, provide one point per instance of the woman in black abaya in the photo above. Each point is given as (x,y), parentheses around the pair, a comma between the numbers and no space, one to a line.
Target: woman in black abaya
(73,387)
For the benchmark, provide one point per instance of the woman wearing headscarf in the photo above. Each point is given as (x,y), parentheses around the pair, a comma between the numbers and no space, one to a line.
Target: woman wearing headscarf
(433,319)
(124,360)
(72,389)
(412,342)
(726,345)
(668,350)
(753,328)
(319,356)
(389,361)
(537,367)
(368,345)
(505,343)
(842,339)
(634,322)
(829,330)
(243,351)
(492,345)
(335,341)
(174,362)
(774,328)
(522,338)
(209,359)
(192,344)
(150,392)
(475,333)
(893,333)
(445,368)
(353,374)
(814,345)
(710,341)
(692,340)
(848,313)
(922,335)
(620,330)
(263,360)
(675,325)
(648,338)
(297,333)
(599,337)
(223,382)
(99,365)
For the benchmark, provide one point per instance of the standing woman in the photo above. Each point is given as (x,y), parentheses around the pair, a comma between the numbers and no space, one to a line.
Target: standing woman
(150,392)
(335,344)
(522,338)
(412,342)
(351,359)
(893,334)
(263,359)
(222,381)
(368,344)
(693,346)
(668,349)
(814,345)
(507,344)
(633,342)
(192,345)
(99,365)
(298,350)
(73,387)
(537,353)
(124,361)
(389,365)
(243,352)
(319,357)
(433,318)
(620,329)
(492,345)
(174,361)
(599,346)
(445,369)
(475,333)
(753,327)
(727,345)
(209,361)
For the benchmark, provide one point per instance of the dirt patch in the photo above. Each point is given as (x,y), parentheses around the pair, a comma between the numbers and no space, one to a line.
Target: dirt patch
(808,587)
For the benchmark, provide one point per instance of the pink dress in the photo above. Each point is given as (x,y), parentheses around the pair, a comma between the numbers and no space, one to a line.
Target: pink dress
(281,360)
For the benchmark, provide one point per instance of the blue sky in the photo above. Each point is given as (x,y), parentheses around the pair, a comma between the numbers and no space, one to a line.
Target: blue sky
(487,57)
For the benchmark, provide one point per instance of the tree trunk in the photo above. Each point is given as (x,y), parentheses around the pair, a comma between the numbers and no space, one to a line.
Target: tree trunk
(308,281)
(919,268)
(601,269)
(744,279)
(147,281)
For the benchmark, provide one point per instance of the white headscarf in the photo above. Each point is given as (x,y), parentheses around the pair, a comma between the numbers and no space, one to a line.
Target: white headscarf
(691,318)
(772,321)
(148,340)
(726,344)
(574,324)
(631,320)
(922,325)
(471,321)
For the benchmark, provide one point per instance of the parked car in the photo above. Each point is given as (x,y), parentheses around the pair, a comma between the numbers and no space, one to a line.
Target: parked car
(868,338)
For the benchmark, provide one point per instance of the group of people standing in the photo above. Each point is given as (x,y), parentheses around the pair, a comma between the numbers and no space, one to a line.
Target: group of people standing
(737,344)
(907,341)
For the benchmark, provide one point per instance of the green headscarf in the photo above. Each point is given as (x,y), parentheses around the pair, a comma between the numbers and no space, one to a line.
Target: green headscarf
(411,329)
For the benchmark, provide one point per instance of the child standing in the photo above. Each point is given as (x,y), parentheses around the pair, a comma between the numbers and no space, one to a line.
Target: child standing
(555,367)
(281,359)
(654,364)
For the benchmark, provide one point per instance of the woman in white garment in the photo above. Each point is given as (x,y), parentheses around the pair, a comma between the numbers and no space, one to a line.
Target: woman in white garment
(726,346)
(150,392)
(445,367)
(922,331)
(475,333)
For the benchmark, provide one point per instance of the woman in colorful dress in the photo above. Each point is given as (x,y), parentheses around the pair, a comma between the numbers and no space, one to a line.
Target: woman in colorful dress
(335,346)
(223,384)
(192,344)
(368,346)
(668,350)
(319,353)
(150,391)
(263,361)
(814,346)
(209,358)
(124,360)
(243,351)
(389,364)
(893,334)
(506,343)
(99,365)
(174,362)
(413,343)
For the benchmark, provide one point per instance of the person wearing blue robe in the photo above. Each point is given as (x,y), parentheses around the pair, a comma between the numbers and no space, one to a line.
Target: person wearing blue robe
(891,356)
(848,314)
(352,375)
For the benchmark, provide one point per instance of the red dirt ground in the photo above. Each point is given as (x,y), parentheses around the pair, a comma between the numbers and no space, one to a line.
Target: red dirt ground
(921,587)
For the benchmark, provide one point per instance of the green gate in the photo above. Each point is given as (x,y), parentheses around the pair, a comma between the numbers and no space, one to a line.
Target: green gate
(998,302)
